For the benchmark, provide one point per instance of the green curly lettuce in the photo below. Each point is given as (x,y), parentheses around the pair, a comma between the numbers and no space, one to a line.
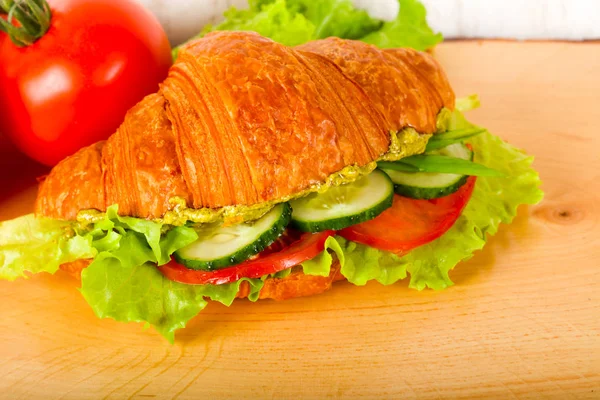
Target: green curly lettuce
(293,22)
(125,285)
(334,18)
(34,245)
(273,19)
(409,29)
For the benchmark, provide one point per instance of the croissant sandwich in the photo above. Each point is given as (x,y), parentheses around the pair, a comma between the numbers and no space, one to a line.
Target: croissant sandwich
(265,171)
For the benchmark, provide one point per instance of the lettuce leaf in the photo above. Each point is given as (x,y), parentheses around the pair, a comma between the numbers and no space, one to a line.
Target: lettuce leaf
(29,244)
(467,103)
(273,19)
(293,22)
(335,18)
(124,284)
(321,264)
(409,29)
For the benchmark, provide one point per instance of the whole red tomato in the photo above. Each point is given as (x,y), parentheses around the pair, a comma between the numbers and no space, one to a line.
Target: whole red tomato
(73,86)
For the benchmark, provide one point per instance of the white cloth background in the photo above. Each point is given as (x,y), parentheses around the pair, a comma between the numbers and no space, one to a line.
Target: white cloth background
(518,19)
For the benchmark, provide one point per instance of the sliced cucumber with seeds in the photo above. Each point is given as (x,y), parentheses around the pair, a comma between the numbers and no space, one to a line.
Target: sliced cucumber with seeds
(429,185)
(221,246)
(342,206)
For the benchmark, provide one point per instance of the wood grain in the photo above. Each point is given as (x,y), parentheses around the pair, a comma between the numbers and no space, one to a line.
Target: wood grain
(522,320)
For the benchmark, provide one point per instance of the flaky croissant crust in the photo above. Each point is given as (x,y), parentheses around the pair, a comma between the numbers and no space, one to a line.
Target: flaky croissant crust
(242,120)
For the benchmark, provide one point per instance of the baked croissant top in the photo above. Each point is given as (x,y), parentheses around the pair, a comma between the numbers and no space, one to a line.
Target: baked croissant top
(407,86)
(243,120)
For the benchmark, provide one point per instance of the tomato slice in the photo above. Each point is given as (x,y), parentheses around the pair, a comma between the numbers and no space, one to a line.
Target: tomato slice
(283,254)
(410,223)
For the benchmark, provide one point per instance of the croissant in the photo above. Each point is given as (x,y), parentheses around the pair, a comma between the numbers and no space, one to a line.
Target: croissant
(242,120)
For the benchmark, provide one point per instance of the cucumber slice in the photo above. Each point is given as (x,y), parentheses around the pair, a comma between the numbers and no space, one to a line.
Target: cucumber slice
(429,185)
(342,206)
(221,246)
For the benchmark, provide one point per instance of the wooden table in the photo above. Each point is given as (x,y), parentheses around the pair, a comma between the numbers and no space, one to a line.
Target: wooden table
(522,321)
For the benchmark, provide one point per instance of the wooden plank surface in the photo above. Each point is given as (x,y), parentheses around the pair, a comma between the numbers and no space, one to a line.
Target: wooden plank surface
(522,320)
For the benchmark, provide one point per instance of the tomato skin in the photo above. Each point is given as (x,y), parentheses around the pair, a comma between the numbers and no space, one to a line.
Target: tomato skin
(410,223)
(308,246)
(73,86)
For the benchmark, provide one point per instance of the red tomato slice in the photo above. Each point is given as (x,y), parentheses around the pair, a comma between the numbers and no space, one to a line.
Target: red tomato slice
(305,247)
(410,223)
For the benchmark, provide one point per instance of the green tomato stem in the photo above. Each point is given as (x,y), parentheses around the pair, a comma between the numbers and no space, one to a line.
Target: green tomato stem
(26,20)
